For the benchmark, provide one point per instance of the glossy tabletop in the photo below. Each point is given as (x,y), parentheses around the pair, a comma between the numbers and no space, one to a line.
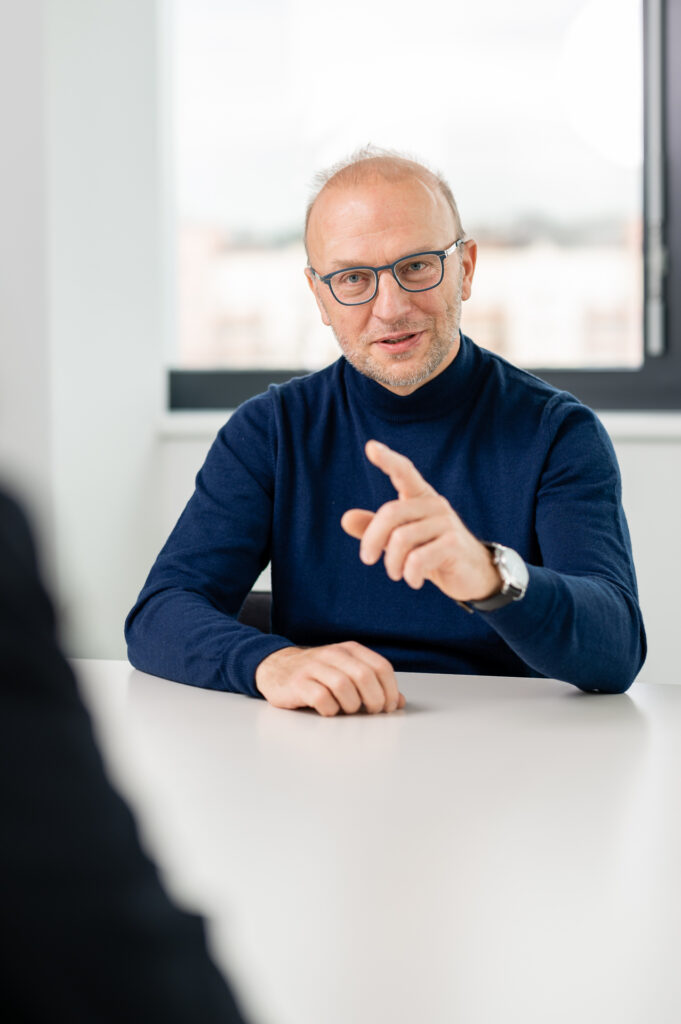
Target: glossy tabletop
(501,851)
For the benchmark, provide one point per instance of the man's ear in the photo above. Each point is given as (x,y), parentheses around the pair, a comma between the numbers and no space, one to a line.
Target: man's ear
(314,287)
(469,258)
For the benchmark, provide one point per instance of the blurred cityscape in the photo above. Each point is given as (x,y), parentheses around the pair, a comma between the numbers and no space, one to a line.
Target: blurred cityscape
(543,296)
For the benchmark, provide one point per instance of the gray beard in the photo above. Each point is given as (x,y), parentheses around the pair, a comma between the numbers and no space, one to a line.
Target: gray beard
(440,348)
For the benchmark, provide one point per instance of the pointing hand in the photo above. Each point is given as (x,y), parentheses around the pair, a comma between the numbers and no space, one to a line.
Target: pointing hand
(420,535)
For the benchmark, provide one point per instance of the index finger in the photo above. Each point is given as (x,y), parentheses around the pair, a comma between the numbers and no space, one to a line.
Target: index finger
(404,476)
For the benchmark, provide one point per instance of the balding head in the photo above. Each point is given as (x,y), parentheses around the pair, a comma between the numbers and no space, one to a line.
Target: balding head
(372,164)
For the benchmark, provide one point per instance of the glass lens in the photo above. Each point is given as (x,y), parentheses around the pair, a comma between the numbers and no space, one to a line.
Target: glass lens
(417,272)
(356,285)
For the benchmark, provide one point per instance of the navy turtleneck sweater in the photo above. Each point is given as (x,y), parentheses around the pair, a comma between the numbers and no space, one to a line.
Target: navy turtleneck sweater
(522,464)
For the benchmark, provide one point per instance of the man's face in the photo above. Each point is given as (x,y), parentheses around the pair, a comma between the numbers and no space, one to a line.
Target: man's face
(400,339)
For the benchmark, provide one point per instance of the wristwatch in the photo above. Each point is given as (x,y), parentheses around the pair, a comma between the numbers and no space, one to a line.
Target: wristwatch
(514,578)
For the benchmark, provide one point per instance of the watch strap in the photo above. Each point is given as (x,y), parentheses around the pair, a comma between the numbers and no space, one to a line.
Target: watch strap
(490,604)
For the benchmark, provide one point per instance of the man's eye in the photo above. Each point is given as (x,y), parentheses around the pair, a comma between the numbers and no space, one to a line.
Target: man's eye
(352,278)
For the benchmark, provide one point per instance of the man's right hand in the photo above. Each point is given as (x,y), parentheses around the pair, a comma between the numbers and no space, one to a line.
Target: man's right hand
(337,677)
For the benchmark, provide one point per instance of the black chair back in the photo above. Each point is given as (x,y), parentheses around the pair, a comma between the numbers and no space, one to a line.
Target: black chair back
(256,610)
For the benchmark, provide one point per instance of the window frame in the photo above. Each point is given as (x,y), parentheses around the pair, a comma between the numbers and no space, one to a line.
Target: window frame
(656,385)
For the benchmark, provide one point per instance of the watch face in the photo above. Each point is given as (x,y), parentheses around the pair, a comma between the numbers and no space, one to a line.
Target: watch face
(513,569)
(514,566)
(514,578)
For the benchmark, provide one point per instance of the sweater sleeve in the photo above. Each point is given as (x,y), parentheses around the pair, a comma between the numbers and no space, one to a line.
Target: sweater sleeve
(184,624)
(580,619)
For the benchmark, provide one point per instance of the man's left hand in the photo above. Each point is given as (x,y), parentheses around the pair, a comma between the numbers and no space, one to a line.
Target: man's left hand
(420,535)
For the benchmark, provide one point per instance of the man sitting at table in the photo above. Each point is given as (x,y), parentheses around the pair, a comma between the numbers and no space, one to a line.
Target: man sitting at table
(492,498)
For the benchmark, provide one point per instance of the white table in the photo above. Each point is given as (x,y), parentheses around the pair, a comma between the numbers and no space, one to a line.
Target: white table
(502,851)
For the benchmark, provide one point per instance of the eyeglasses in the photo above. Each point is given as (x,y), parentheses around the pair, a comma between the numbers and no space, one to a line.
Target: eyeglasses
(418,272)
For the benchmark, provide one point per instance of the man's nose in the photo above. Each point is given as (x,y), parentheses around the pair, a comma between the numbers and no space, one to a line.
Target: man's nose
(390,302)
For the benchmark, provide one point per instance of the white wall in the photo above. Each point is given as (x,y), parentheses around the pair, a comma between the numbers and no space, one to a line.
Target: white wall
(25,394)
(105,234)
(82,383)
(82,316)
(651,489)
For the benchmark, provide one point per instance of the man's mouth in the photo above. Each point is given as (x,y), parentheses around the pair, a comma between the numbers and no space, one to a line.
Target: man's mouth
(399,342)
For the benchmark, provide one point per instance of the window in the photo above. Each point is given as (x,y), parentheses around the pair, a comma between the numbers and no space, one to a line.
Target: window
(534,112)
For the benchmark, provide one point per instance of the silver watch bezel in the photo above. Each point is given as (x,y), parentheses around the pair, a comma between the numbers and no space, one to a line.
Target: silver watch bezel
(514,579)
(510,580)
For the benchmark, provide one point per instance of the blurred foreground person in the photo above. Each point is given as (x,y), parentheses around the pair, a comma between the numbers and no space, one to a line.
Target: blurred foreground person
(89,933)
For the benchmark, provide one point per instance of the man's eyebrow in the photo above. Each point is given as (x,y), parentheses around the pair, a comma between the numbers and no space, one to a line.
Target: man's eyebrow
(348,264)
(344,264)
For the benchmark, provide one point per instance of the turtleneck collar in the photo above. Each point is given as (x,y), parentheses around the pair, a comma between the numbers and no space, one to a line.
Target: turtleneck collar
(451,389)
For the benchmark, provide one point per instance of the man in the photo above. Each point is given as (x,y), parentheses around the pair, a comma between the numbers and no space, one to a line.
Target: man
(493,499)
(89,933)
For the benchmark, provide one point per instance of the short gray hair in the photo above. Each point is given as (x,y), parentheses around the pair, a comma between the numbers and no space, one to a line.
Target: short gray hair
(385,163)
